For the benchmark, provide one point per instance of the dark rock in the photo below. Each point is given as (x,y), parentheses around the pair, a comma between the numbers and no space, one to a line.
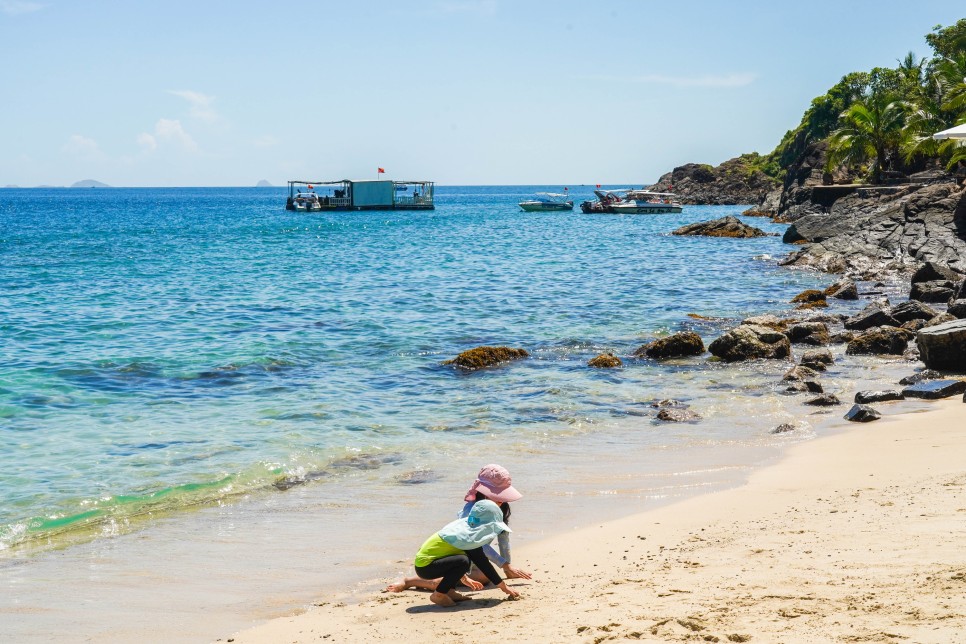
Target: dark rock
(925,374)
(784,428)
(871,316)
(863,231)
(933,271)
(749,341)
(672,415)
(817,356)
(799,373)
(882,340)
(814,333)
(809,295)
(486,356)
(957,309)
(865,397)
(804,386)
(912,310)
(605,361)
(944,346)
(843,337)
(913,325)
(844,290)
(935,389)
(723,227)
(685,343)
(862,414)
(942,318)
(937,291)
(825,400)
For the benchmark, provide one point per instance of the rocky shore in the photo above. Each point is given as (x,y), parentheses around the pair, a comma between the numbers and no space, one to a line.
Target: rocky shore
(734,182)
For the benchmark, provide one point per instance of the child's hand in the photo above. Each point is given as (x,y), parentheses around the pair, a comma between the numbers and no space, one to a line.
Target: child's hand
(472,584)
(515,573)
(509,591)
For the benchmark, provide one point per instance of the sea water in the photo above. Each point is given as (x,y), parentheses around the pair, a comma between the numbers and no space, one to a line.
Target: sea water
(199,388)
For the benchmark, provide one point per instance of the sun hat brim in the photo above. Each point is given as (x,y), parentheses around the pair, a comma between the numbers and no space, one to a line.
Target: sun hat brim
(500,495)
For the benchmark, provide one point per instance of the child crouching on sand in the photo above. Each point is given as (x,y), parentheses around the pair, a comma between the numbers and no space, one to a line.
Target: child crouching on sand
(493,483)
(448,553)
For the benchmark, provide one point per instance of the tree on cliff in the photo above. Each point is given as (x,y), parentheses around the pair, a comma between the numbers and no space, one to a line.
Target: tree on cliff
(871,128)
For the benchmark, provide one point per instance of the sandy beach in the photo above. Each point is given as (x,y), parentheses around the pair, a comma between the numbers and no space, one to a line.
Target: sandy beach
(852,537)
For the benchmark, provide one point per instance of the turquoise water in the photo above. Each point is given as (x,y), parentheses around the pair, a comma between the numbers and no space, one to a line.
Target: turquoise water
(167,349)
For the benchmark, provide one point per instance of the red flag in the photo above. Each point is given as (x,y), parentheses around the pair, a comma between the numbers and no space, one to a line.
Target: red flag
(381,170)
(310,186)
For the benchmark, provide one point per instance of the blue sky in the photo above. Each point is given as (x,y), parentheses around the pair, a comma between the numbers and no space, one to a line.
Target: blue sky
(217,93)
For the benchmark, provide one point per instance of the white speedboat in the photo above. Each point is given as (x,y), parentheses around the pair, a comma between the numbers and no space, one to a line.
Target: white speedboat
(306,202)
(635,202)
(548,202)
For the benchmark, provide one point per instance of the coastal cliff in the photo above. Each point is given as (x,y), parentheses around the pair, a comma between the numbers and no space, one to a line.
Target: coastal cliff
(736,181)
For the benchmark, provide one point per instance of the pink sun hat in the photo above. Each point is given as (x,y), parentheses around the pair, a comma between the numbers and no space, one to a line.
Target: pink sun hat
(494,483)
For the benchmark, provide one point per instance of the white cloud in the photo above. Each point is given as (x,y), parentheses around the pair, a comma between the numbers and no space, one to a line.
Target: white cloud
(147,142)
(200,104)
(265,141)
(19,7)
(482,7)
(82,146)
(724,80)
(167,131)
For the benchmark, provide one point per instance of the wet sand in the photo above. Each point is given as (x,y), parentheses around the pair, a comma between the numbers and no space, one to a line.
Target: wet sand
(852,537)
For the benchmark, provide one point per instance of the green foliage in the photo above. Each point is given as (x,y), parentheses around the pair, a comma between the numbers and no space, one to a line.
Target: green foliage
(946,42)
(870,129)
(895,113)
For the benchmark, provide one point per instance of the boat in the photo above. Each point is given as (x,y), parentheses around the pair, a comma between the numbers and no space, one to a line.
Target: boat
(547,202)
(632,202)
(352,194)
(306,202)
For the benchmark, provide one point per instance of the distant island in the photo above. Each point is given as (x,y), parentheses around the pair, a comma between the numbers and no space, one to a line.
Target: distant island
(264,184)
(89,183)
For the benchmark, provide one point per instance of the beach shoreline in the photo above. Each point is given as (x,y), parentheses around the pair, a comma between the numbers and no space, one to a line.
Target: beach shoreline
(849,537)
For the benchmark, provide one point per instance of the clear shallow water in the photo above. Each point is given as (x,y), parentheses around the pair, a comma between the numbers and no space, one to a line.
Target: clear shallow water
(176,361)
(169,347)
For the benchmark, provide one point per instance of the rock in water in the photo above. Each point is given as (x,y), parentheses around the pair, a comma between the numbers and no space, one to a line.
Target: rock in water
(723,227)
(783,428)
(862,414)
(844,290)
(685,343)
(935,291)
(750,341)
(925,374)
(486,356)
(935,389)
(944,346)
(957,309)
(888,340)
(871,316)
(673,415)
(866,397)
(605,361)
(813,333)
(912,310)
(825,400)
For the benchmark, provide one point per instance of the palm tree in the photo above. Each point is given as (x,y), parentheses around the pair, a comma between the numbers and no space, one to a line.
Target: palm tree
(871,128)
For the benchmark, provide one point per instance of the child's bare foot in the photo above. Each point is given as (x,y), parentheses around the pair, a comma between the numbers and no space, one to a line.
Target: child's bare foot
(442,600)
(457,597)
(396,587)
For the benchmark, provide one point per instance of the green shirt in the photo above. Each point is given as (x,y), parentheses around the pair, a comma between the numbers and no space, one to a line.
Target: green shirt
(435,548)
